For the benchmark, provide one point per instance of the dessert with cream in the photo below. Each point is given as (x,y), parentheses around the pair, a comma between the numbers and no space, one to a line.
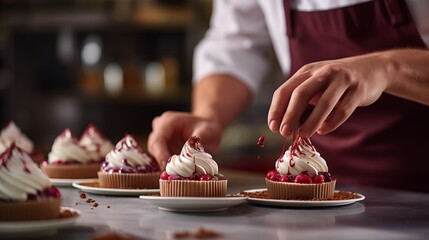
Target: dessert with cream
(127,166)
(12,134)
(95,143)
(300,173)
(192,173)
(25,192)
(71,159)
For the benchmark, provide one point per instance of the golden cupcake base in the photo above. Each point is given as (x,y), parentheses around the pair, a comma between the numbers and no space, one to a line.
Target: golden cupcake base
(129,180)
(188,188)
(30,210)
(71,171)
(288,190)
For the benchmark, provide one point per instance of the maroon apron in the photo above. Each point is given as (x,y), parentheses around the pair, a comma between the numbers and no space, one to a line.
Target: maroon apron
(387,143)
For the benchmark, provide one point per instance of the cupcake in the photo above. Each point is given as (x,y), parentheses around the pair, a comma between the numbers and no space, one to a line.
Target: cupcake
(127,166)
(193,173)
(11,133)
(25,192)
(69,160)
(95,143)
(301,173)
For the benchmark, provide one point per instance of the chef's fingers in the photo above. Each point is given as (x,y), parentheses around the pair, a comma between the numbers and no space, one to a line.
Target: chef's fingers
(164,128)
(157,146)
(341,113)
(324,105)
(281,98)
(299,101)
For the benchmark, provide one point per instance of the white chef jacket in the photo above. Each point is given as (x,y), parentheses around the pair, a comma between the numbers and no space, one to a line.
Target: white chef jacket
(243,32)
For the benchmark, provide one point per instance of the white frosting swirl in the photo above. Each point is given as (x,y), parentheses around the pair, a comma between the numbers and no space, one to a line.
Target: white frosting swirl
(66,147)
(301,157)
(95,143)
(19,176)
(192,159)
(127,151)
(11,133)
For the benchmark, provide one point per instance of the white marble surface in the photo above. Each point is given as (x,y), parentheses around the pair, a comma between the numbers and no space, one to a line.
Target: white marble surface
(384,214)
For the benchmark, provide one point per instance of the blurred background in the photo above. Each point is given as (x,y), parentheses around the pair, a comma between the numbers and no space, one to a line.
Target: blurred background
(116,64)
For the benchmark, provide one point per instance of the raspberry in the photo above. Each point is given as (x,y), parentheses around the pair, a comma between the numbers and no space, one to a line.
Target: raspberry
(285,178)
(164,176)
(303,178)
(319,178)
(205,177)
(273,175)
(195,176)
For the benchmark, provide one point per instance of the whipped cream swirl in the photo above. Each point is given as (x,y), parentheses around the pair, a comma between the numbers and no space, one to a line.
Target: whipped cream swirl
(20,176)
(11,133)
(301,157)
(95,143)
(192,159)
(127,154)
(66,148)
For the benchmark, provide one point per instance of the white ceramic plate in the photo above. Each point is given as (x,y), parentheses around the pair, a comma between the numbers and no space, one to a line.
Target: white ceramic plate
(65,182)
(112,191)
(36,228)
(300,203)
(194,204)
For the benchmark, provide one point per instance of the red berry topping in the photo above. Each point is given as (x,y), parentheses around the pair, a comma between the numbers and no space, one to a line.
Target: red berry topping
(285,178)
(303,178)
(175,177)
(273,175)
(319,179)
(205,177)
(164,176)
(195,176)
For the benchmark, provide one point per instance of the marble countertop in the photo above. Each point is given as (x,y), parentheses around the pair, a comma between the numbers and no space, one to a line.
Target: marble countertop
(384,214)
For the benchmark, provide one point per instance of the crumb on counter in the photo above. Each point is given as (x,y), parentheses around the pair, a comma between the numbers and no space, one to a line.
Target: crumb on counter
(112,236)
(201,233)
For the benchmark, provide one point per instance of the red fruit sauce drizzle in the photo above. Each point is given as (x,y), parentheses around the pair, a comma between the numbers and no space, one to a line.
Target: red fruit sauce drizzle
(6,155)
(260,142)
(295,151)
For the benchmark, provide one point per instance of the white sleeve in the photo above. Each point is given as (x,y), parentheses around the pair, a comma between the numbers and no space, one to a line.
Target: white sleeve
(237,43)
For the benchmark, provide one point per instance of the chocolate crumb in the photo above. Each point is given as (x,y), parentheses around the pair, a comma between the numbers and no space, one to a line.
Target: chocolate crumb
(110,235)
(205,233)
(92,200)
(194,142)
(179,235)
(82,195)
(65,213)
(88,200)
(92,208)
(201,233)
(95,205)
(108,206)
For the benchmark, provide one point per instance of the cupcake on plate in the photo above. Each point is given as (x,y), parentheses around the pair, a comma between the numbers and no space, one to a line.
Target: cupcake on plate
(12,134)
(127,166)
(95,143)
(301,173)
(193,173)
(69,160)
(25,192)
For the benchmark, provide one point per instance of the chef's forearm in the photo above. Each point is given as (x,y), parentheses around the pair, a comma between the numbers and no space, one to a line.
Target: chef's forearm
(220,98)
(408,72)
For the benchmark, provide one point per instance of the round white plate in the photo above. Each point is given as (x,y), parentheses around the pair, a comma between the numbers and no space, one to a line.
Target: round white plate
(300,203)
(112,191)
(194,204)
(66,182)
(38,228)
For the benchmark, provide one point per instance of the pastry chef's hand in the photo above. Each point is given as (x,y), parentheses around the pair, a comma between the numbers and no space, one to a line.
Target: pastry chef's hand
(335,88)
(171,130)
